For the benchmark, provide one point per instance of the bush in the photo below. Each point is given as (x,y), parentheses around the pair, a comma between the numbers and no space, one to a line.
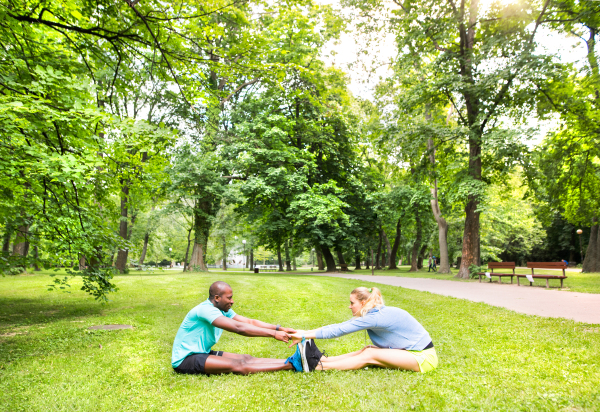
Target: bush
(14,270)
(474,269)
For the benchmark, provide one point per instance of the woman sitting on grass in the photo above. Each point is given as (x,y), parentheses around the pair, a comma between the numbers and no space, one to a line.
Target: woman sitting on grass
(400,340)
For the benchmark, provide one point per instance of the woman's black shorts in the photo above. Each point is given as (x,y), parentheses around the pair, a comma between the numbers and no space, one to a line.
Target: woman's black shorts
(194,364)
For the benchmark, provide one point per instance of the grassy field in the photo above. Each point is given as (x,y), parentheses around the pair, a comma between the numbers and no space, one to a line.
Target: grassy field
(490,358)
(575,282)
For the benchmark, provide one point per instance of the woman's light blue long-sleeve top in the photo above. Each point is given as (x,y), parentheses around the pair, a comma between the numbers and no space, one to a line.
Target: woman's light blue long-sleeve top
(387,326)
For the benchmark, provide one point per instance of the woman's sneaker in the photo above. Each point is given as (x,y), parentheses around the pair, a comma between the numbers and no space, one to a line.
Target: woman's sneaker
(303,347)
(313,355)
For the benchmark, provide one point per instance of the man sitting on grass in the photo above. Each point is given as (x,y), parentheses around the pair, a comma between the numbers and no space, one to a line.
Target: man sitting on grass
(202,328)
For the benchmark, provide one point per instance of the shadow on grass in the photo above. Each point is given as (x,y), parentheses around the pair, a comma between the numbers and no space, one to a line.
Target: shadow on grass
(27,311)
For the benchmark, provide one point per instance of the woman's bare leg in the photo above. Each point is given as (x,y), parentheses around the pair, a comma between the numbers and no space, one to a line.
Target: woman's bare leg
(347,355)
(385,358)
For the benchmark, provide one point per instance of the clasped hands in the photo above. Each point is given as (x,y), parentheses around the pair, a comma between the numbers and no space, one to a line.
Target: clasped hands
(287,334)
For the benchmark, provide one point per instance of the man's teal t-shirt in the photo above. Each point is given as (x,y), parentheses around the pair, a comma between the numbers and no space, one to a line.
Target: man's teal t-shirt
(196,333)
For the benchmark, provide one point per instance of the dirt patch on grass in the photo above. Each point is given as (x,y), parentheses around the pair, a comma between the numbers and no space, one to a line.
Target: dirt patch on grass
(21,330)
(49,312)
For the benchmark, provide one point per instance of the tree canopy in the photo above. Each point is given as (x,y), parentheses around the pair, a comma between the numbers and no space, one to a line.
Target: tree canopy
(135,132)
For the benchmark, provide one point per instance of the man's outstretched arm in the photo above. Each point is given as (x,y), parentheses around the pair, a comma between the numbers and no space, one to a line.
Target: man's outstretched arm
(247,329)
(261,324)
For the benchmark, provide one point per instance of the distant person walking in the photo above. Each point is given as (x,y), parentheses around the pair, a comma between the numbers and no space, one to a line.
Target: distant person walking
(432,264)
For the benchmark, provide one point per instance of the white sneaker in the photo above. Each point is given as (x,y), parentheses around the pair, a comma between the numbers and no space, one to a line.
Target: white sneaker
(302,346)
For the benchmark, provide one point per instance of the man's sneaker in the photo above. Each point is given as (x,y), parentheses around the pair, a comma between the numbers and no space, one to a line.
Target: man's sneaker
(313,355)
(296,360)
(303,347)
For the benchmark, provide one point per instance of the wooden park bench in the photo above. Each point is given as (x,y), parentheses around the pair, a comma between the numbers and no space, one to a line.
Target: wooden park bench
(344,267)
(267,268)
(545,265)
(500,265)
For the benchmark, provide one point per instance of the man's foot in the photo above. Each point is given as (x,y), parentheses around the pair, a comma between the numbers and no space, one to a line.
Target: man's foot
(296,359)
(313,355)
(303,345)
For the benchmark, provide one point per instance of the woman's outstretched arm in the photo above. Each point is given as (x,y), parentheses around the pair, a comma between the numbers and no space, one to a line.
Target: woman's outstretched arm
(336,330)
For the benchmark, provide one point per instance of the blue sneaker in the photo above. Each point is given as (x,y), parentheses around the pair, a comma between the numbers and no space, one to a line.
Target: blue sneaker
(296,360)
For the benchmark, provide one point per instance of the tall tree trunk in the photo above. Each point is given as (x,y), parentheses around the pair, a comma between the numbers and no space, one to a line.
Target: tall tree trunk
(147,239)
(329,261)
(224,254)
(6,239)
(20,244)
(470,249)
(421,256)
(388,249)
(340,256)
(378,256)
(36,257)
(197,260)
(356,258)
(122,254)
(320,264)
(294,252)
(471,240)
(251,258)
(145,248)
(288,260)
(590,263)
(394,250)
(187,251)
(279,257)
(437,214)
(202,209)
(417,245)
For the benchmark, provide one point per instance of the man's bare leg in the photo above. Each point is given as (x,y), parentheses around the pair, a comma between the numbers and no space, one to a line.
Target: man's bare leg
(224,364)
(251,359)
(385,358)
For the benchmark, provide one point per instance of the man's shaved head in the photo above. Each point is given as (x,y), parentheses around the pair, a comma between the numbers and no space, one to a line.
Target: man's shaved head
(217,289)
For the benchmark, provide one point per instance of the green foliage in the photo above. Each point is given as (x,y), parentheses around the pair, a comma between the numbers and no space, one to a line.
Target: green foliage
(179,126)
(510,229)
(474,270)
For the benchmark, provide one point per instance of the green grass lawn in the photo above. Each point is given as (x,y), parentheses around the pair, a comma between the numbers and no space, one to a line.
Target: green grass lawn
(490,358)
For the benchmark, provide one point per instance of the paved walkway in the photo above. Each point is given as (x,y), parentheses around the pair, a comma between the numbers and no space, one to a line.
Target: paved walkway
(581,307)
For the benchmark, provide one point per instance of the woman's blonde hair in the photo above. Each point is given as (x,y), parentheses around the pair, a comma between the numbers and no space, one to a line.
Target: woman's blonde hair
(371,296)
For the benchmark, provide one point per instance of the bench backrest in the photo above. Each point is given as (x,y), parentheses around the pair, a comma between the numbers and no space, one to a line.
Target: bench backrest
(546,265)
(501,265)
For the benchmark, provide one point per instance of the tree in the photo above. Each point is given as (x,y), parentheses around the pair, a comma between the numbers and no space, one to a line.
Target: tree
(442,51)
(571,182)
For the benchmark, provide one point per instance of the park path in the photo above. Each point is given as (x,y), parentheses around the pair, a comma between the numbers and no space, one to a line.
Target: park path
(553,303)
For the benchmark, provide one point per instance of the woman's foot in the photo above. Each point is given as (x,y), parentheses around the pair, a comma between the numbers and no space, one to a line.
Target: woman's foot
(313,355)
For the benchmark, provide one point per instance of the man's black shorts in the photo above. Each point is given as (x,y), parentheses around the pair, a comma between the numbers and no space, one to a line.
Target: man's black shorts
(194,364)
